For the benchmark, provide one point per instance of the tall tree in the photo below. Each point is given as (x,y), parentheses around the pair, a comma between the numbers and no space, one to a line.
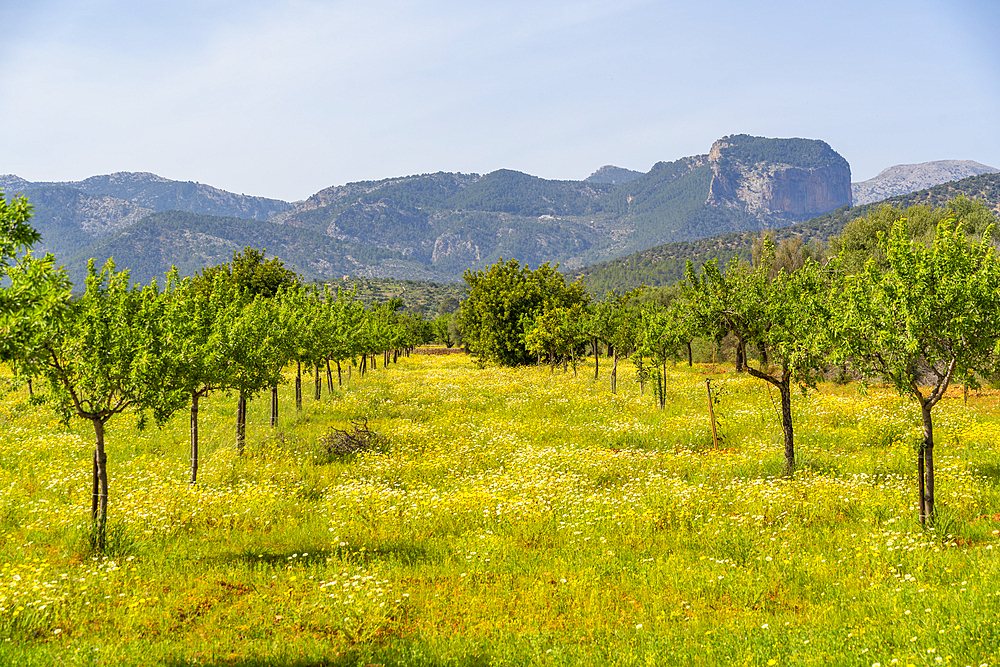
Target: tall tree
(253,276)
(610,322)
(195,315)
(930,318)
(501,299)
(558,333)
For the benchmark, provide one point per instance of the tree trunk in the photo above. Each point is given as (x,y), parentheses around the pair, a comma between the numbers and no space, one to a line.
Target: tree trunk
(318,383)
(340,376)
(99,504)
(31,388)
(364,364)
(95,497)
(274,406)
(739,357)
(690,357)
(329,377)
(614,374)
(927,467)
(597,361)
(785,387)
(298,385)
(920,484)
(241,422)
(194,437)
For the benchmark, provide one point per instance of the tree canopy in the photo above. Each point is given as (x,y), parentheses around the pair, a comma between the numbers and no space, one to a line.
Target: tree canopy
(504,301)
(927,320)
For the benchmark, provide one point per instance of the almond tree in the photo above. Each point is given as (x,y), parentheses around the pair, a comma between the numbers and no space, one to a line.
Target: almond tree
(254,346)
(664,331)
(253,276)
(195,314)
(782,317)
(930,318)
(557,332)
(302,320)
(345,316)
(105,357)
(611,321)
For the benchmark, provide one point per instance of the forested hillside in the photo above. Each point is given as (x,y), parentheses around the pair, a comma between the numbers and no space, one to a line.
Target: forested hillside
(664,264)
(191,242)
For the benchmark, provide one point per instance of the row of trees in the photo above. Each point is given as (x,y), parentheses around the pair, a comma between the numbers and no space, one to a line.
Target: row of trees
(920,313)
(155,350)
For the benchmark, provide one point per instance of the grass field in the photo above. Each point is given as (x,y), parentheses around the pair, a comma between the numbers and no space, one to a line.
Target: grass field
(514,518)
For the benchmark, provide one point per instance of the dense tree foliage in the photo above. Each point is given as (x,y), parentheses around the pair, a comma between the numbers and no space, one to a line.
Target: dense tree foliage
(35,294)
(860,239)
(504,301)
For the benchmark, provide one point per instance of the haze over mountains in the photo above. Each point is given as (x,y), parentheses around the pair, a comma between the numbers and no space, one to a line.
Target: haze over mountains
(436,226)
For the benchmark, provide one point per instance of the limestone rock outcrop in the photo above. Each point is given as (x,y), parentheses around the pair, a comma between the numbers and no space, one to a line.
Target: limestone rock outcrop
(793,179)
(902,179)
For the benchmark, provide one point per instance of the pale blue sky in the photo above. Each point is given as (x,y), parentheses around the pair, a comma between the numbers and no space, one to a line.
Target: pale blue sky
(283,98)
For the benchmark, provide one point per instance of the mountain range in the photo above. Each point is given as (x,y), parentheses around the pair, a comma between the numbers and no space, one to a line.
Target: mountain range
(436,226)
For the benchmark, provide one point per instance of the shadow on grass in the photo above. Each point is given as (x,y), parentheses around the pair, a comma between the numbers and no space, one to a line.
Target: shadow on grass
(405,553)
(347,660)
(988,470)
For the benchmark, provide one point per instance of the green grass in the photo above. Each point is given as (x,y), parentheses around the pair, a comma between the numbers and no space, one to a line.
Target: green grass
(516,517)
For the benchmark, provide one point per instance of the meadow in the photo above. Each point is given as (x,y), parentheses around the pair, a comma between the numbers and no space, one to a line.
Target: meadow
(511,517)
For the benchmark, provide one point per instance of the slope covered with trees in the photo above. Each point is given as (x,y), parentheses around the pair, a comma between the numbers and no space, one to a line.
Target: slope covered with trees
(664,264)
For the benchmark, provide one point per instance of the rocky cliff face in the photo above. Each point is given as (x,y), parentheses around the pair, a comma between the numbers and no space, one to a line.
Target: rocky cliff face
(767,177)
(96,215)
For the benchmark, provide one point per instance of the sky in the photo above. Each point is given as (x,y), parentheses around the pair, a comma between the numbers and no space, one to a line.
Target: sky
(284,98)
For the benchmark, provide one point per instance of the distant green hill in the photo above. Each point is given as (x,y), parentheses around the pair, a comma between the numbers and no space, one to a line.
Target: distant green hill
(665,264)
(612,174)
